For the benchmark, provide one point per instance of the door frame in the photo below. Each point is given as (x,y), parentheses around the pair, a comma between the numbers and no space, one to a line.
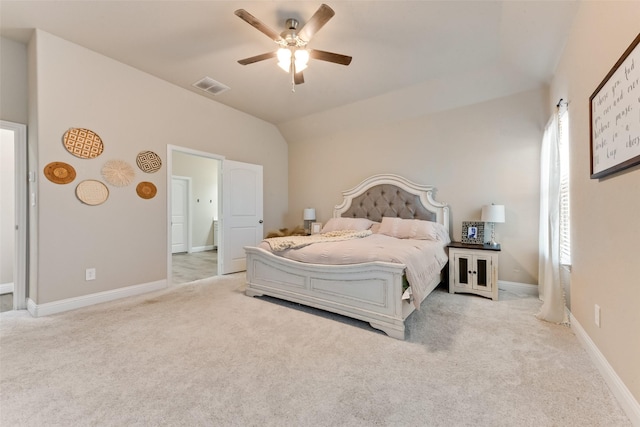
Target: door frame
(188,216)
(21,212)
(170,150)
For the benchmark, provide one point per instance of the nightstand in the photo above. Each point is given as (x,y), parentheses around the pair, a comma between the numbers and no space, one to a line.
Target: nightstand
(473,269)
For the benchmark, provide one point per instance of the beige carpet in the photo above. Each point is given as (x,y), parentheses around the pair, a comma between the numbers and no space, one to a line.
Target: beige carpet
(204,354)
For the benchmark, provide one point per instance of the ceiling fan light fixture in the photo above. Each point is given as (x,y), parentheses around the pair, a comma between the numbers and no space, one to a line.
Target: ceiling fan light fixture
(292,54)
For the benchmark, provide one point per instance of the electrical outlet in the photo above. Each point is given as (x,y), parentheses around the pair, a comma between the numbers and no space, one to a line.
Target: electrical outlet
(90,274)
(597,315)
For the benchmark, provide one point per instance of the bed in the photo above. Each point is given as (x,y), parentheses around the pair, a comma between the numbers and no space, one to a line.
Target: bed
(374,290)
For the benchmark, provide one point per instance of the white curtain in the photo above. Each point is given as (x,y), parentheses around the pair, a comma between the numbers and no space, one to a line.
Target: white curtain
(549,286)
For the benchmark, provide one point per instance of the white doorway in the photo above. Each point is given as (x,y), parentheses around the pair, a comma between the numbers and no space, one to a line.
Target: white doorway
(180,214)
(13,212)
(193,204)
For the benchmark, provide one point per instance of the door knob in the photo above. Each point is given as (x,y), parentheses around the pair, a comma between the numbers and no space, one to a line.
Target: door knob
(261,221)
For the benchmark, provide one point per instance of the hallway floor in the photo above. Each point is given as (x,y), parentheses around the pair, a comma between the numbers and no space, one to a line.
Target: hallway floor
(196,265)
(6,302)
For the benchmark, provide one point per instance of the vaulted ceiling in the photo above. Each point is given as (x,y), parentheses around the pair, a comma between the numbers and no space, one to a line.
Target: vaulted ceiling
(395,45)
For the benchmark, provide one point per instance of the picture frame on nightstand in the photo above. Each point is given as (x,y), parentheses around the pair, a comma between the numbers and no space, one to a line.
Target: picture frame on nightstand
(472,232)
(316,227)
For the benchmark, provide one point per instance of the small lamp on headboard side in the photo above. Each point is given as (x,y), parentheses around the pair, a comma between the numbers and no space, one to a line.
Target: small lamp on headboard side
(309,215)
(492,214)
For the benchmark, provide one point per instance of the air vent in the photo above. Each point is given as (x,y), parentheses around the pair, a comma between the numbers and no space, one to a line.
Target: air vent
(211,86)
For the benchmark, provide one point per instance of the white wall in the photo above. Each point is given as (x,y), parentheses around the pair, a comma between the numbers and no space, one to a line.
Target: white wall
(478,154)
(13,81)
(604,213)
(125,239)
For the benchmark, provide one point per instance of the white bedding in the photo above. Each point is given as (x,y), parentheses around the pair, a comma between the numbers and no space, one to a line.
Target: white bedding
(279,244)
(424,259)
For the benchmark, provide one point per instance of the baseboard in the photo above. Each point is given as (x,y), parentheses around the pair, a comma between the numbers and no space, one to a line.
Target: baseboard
(6,288)
(628,403)
(46,309)
(519,288)
(203,248)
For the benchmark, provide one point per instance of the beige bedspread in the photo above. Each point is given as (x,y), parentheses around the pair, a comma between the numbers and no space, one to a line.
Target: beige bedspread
(424,259)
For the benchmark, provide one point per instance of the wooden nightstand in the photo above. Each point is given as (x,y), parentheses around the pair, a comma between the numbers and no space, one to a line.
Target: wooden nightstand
(473,269)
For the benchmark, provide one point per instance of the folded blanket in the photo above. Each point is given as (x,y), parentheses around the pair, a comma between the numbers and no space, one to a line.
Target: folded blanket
(278,244)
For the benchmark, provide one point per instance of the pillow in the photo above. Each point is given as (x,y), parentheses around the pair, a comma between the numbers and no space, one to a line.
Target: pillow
(375,228)
(413,229)
(338,224)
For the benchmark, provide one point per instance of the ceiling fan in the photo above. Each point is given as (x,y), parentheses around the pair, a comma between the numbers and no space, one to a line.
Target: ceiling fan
(293,54)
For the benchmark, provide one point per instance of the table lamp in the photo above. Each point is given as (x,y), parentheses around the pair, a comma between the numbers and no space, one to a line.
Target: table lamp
(309,215)
(492,214)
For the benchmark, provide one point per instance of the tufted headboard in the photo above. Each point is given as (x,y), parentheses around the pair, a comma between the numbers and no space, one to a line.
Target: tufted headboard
(392,196)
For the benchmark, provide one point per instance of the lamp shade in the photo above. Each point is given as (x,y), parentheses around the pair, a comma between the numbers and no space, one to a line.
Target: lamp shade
(492,213)
(284,59)
(301,59)
(309,214)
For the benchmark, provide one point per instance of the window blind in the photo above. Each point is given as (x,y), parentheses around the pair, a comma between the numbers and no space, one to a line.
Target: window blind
(565,205)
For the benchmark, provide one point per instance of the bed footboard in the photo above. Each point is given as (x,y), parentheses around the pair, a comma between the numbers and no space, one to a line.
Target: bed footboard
(371,292)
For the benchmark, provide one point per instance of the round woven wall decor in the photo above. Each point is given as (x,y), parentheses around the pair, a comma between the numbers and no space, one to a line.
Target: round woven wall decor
(59,172)
(83,143)
(92,192)
(146,190)
(148,161)
(118,173)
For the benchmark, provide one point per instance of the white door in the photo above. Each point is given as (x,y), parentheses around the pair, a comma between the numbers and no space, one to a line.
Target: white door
(179,214)
(241,213)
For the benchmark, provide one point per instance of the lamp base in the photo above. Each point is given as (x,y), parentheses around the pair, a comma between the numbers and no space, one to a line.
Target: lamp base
(493,242)
(307,226)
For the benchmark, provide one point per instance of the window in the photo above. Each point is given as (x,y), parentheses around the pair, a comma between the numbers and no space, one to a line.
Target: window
(564,203)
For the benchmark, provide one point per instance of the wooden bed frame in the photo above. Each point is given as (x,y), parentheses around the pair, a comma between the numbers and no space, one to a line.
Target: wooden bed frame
(371,291)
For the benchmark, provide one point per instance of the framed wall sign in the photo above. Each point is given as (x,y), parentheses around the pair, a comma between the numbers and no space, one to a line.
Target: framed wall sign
(614,109)
(472,232)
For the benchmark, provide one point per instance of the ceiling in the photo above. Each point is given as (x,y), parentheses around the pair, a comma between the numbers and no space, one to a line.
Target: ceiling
(394,44)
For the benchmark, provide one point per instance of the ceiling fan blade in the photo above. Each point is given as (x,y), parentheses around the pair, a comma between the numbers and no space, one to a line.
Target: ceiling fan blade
(257,58)
(298,78)
(257,24)
(317,21)
(330,57)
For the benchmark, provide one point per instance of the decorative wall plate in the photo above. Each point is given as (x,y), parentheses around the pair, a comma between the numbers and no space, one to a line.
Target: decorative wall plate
(92,192)
(118,173)
(83,143)
(148,161)
(59,172)
(146,190)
